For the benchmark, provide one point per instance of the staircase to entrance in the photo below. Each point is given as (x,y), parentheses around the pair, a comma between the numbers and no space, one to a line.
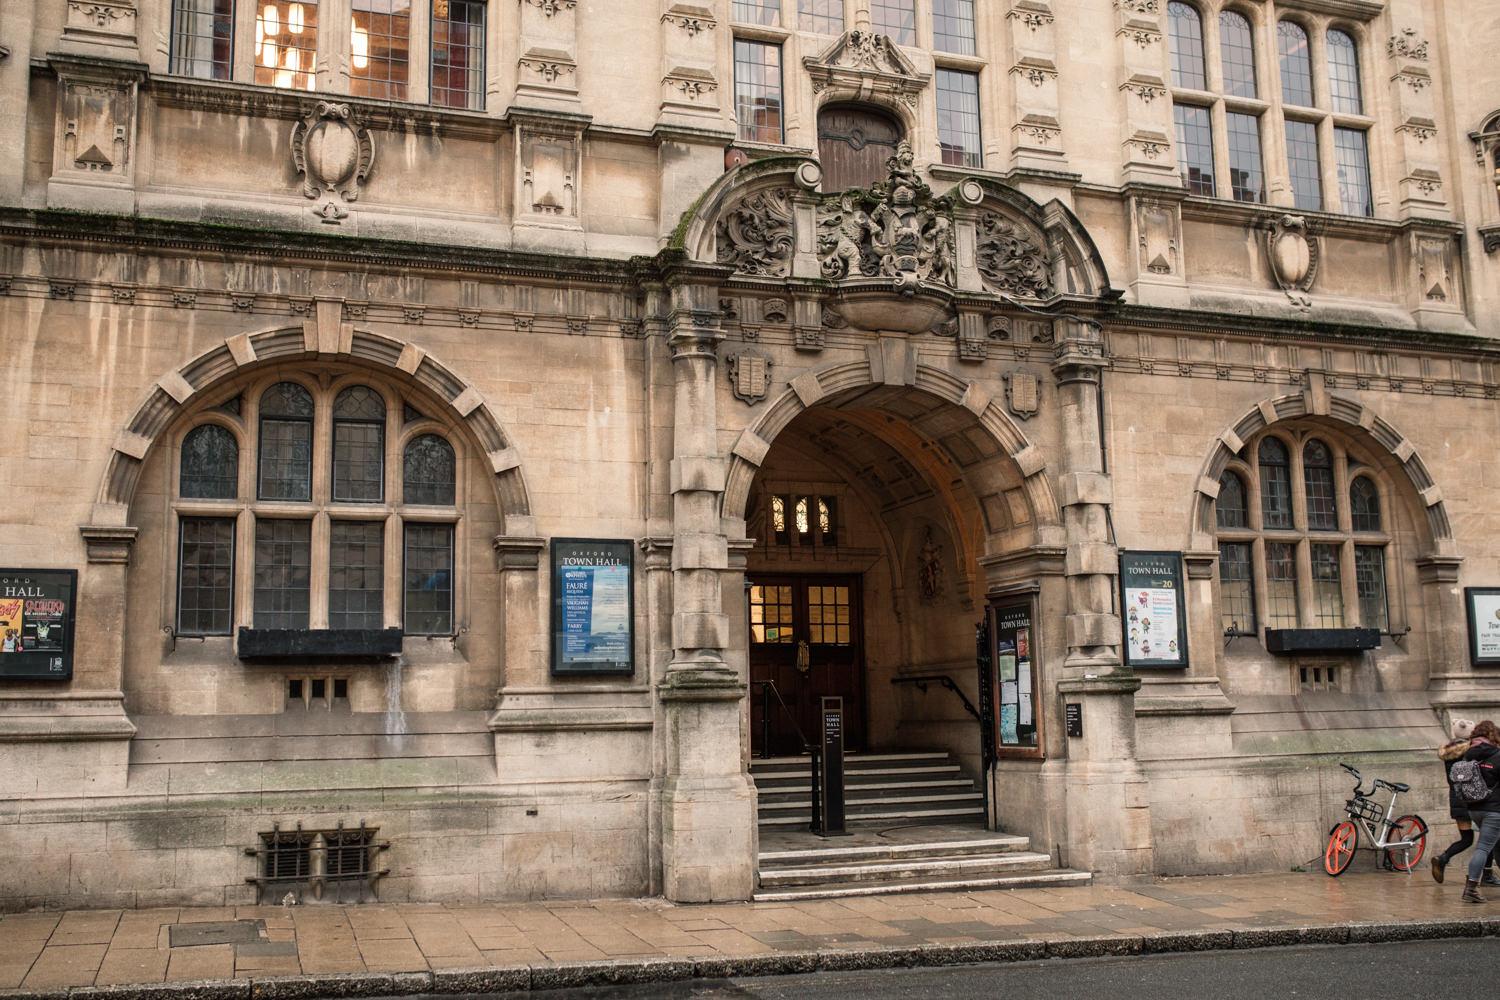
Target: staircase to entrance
(915,823)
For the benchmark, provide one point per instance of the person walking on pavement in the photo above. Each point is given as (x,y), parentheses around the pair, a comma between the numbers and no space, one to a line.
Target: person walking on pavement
(1484,750)
(1450,753)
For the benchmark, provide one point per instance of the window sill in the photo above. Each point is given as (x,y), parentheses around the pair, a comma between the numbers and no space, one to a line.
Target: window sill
(322,643)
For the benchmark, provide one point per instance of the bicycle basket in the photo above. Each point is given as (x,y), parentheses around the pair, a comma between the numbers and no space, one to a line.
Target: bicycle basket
(1365,809)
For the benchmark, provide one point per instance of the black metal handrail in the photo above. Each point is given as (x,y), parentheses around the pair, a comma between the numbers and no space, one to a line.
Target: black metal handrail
(767,689)
(946,681)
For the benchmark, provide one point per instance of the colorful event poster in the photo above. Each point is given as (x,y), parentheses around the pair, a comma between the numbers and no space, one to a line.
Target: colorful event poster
(1151,611)
(592,607)
(36,623)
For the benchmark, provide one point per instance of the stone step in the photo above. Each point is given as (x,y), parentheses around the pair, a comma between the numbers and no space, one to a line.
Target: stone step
(927,869)
(803,793)
(833,852)
(851,761)
(1055,877)
(866,804)
(870,775)
(975,813)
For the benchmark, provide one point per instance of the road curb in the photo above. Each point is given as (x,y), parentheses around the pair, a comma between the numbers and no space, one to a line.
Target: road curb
(621,972)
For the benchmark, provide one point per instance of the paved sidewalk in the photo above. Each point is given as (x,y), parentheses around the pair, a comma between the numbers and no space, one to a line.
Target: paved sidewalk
(373,950)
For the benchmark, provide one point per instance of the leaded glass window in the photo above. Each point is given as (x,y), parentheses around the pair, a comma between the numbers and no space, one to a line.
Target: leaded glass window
(896,18)
(205,576)
(457,70)
(1352,155)
(428,472)
(1247,180)
(1281,585)
(1230,509)
(283,573)
(359,445)
(1236,588)
(756,11)
(1369,584)
(772,614)
(1364,505)
(958,118)
(1328,587)
(210,464)
(953,26)
(286,44)
(803,520)
(1275,484)
(1296,64)
(1186,27)
(286,423)
(1303,166)
(1237,46)
(828,524)
(379,48)
(1317,477)
(757,90)
(428,579)
(778,520)
(1343,74)
(823,16)
(1195,149)
(356,575)
(203,38)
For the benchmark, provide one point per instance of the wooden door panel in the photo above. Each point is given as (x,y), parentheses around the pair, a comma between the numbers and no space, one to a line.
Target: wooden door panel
(853,145)
(824,617)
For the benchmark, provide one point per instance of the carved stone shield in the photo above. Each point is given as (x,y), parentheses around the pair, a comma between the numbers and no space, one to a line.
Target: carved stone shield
(1022,392)
(749,375)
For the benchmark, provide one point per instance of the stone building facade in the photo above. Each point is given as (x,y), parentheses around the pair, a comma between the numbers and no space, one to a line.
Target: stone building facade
(861,320)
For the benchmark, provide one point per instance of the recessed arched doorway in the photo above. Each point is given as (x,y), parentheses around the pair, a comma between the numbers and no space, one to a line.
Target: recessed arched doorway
(854,142)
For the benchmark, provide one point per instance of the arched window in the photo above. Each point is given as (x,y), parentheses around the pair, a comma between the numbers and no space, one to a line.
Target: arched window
(1275,484)
(1317,475)
(210,464)
(428,471)
(359,445)
(315,562)
(1343,74)
(1316,572)
(1187,46)
(1364,505)
(1296,64)
(1231,509)
(286,425)
(1237,47)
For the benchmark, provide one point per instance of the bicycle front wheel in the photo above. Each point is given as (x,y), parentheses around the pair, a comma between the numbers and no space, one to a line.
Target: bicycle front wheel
(1343,841)
(1411,831)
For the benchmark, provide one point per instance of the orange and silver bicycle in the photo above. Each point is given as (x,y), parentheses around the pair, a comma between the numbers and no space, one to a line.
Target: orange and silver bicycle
(1404,839)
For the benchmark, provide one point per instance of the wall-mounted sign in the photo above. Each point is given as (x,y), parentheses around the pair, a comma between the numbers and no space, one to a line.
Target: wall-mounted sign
(1015,688)
(593,604)
(1483,606)
(1073,719)
(37,608)
(1152,615)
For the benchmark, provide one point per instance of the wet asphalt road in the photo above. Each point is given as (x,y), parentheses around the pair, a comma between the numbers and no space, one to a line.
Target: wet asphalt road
(1451,970)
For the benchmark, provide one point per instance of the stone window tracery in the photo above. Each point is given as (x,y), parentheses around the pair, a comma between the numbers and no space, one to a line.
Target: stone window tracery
(345,511)
(1302,541)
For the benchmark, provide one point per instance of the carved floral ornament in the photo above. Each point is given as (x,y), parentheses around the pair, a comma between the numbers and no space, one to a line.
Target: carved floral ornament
(551,7)
(756,235)
(1406,45)
(334,154)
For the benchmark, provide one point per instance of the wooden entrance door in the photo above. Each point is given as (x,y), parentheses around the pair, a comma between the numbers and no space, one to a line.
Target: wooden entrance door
(814,620)
(853,144)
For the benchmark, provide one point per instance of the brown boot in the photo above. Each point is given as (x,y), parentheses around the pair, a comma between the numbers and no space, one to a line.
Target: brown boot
(1438,864)
(1471,891)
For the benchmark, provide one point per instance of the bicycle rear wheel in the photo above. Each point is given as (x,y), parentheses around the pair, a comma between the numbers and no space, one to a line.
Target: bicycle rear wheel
(1343,841)
(1412,830)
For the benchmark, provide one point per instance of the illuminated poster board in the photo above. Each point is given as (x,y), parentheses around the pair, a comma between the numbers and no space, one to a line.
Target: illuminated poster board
(37,610)
(1015,689)
(592,607)
(1152,615)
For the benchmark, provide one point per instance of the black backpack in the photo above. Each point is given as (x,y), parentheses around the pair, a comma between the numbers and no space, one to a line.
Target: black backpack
(1468,781)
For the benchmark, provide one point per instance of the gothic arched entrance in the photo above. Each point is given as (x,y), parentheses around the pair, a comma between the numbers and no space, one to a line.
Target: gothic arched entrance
(854,143)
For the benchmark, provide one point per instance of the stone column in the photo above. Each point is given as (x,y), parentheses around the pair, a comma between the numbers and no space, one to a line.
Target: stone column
(707,801)
(1108,808)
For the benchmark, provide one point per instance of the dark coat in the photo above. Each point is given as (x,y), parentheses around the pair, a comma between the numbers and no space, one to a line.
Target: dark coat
(1488,757)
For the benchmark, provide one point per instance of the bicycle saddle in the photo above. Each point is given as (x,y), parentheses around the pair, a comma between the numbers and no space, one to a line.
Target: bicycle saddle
(1395,786)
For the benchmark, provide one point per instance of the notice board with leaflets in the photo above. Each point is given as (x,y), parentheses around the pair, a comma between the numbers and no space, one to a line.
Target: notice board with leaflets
(38,608)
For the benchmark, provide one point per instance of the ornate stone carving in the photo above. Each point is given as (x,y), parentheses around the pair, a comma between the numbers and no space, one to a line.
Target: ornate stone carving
(1009,261)
(1022,394)
(1138,6)
(1293,253)
(774,310)
(1406,45)
(863,64)
(1033,19)
(749,375)
(694,24)
(549,169)
(334,154)
(1434,277)
(551,7)
(808,338)
(755,236)
(930,568)
(896,229)
(546,70)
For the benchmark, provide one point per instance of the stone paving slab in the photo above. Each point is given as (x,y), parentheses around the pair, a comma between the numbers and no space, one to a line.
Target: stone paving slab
(398,949)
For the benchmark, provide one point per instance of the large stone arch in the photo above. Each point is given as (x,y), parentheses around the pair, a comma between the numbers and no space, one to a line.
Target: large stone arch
(893,368)
(1353,416)
(179,389)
